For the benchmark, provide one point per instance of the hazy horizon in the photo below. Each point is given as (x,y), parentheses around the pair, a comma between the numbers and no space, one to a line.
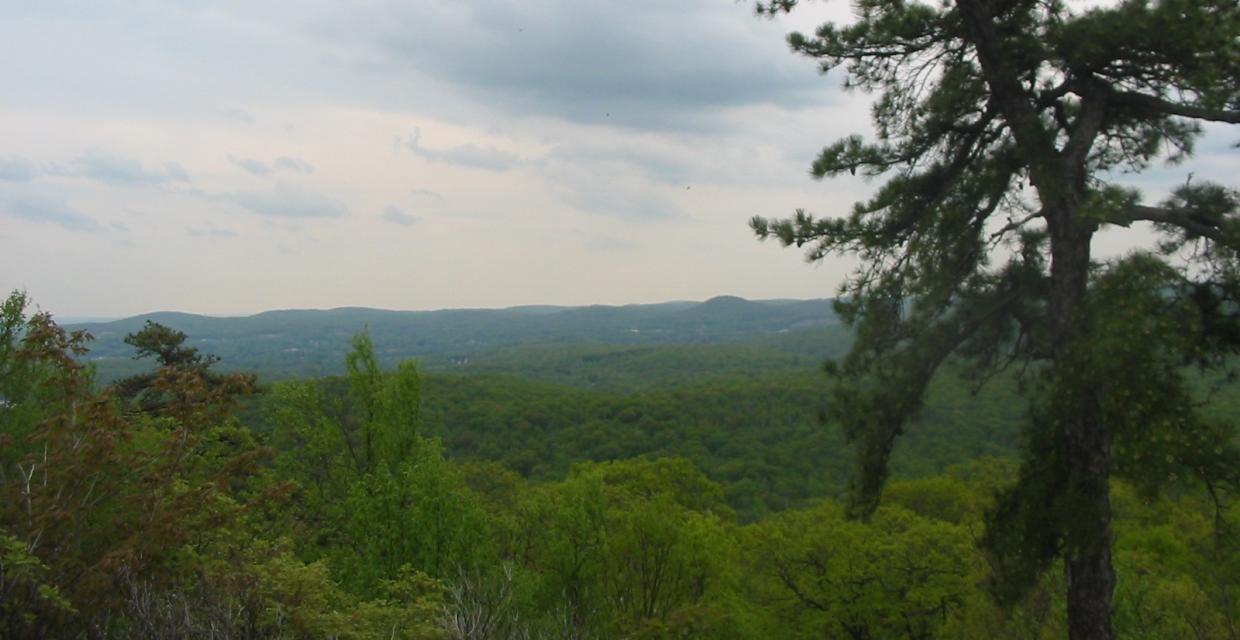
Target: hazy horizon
(89,319)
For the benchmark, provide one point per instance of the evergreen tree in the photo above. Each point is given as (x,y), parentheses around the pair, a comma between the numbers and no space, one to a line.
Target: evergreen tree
(1006,127)
(149,392)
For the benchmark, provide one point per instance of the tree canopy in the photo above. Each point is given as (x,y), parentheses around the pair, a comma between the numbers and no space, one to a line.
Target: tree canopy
(149,392)
(1006,131)
(181,523)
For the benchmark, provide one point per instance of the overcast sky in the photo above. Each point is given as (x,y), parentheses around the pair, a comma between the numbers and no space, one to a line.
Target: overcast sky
(224,158)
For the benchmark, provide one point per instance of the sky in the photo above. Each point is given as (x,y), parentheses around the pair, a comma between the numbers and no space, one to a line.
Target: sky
(234,157)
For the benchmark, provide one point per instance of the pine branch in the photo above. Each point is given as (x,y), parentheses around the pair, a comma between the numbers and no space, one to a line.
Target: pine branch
(1194,225)
(1153,105)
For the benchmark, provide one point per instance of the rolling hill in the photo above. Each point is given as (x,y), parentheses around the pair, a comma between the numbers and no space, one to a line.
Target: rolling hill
(724,334)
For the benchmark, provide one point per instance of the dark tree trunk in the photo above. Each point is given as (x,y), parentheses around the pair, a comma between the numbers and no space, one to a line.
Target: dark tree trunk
(1059,175)
(1091,579)
(1086,442)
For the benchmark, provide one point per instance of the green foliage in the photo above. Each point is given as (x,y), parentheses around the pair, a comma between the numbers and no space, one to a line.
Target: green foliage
(178,523)
(1002,128)
(310,605)
(383,497)
(1179,566)
(628,549)
(418,516)
(1149,400)
(897,576)
(29,604)
(640,368)
(388,408)
(91,499)
(281,345)
(760,439)
(149,392)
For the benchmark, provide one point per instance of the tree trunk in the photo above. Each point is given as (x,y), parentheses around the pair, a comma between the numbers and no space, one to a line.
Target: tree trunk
(1060,179)
(1087,444)
(1091,579)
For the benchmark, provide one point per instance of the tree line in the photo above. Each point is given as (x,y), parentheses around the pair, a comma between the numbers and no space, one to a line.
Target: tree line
(148,509)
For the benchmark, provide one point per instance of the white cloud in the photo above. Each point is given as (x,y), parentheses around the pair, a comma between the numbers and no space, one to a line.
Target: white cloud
(16,169)
(297,165)
(468,155)
(47,209)
(121,171)
(395,215)
(256,167)
(285,201)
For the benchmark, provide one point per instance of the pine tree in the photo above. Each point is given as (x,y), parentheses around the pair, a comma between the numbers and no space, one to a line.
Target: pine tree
(148,392)
(1005,129)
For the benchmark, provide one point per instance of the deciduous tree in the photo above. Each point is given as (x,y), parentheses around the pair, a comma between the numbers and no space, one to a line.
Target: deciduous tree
(93,500)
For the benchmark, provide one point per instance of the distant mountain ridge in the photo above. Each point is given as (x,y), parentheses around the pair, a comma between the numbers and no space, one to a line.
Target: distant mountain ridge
(311,342)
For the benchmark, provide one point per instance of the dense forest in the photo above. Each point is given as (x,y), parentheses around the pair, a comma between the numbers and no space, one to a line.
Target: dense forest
(311,343)
(182,502)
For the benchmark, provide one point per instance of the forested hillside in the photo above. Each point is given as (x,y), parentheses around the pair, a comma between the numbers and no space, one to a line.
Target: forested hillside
(400,505)
(761,439)
(311,343)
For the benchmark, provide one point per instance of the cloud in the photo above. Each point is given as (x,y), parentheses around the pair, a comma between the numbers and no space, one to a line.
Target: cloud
(256,167)
(655,165)
(14,169)
(286,202)
(426,193)
(122,171)
(97,165)
(648,64)
(293,164)
(630,186)
(599,196)
(44,209)
(394,215)
(469,155)
(283,163)
(175,172)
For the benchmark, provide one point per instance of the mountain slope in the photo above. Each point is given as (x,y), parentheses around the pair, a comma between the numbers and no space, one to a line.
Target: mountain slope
(307,343)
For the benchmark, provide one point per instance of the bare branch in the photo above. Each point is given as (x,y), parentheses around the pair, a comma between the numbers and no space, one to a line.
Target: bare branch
(1084,130)
(1151,104)
(1194,225)
(1015,225)
(1007,95)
